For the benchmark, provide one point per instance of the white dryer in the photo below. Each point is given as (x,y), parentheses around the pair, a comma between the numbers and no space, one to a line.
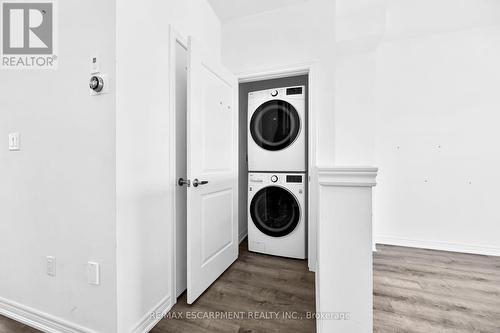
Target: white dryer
(277,130)
(276,214)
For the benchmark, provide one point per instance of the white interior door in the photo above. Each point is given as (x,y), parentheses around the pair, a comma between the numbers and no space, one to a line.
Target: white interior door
(212,152)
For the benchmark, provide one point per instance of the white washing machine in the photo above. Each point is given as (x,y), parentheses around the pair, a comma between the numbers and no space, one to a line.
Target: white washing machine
(277,130)
(277,214)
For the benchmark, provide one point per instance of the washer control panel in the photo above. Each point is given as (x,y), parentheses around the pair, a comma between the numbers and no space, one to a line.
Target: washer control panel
(296,92)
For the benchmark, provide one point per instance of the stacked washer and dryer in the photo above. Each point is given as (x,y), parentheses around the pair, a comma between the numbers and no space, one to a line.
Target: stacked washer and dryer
(277,172)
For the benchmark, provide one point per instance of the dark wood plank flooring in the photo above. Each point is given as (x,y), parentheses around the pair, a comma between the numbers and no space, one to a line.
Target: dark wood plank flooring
(415,291)
(255,285)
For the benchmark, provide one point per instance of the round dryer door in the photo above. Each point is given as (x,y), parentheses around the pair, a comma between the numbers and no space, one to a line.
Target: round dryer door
(275,125)
(275,211)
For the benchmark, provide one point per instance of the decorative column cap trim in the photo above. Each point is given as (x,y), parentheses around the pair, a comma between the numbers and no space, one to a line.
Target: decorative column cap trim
(362,176)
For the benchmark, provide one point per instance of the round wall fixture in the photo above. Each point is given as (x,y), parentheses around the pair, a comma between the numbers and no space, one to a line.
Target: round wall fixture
(96,83)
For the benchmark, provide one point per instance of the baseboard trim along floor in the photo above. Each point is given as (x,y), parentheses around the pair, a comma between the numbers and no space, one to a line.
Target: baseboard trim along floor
(38,319)
(154,316)
(243,235)
(435,245)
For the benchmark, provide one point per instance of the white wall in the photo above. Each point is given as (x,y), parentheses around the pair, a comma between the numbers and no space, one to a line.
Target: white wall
(431,77)
(57,193)
(144,190)
(437,88)
(360,26)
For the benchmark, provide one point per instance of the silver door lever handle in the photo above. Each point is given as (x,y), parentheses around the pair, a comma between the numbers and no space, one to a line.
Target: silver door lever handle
(196,182)
(182,182)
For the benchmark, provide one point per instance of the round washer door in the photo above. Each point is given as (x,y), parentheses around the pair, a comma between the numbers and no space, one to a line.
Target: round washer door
(275,211)
(275,125)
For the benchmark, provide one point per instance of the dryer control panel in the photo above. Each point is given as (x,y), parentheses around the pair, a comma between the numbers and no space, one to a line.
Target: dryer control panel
(294,91)
(276,178)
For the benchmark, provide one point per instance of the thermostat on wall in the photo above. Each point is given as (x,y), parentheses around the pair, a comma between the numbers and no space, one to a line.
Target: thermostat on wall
(98,84)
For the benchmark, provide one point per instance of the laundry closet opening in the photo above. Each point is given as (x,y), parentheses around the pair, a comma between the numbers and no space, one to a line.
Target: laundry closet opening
(280,126)
(273,165)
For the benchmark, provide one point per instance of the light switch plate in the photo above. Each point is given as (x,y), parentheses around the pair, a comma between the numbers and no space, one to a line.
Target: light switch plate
(93,273)
(14,141)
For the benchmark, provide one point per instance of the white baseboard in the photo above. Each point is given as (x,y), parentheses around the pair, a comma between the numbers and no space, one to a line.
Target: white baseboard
(38,319)
(243,234)
(154,316)
(436,245)
(312,266)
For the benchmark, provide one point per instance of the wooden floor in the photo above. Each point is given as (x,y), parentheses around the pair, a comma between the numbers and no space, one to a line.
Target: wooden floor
(415,291)
(425,291)
(255,285)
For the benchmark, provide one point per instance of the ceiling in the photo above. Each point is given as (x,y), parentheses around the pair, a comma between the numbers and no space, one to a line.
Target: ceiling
(231,9)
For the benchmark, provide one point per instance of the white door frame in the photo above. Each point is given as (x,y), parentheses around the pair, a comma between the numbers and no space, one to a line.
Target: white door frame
(174,37)
(308,68)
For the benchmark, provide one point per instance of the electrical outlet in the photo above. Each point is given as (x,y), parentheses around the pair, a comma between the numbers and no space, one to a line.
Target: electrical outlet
(93,274)
(51,265)
(14,141)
